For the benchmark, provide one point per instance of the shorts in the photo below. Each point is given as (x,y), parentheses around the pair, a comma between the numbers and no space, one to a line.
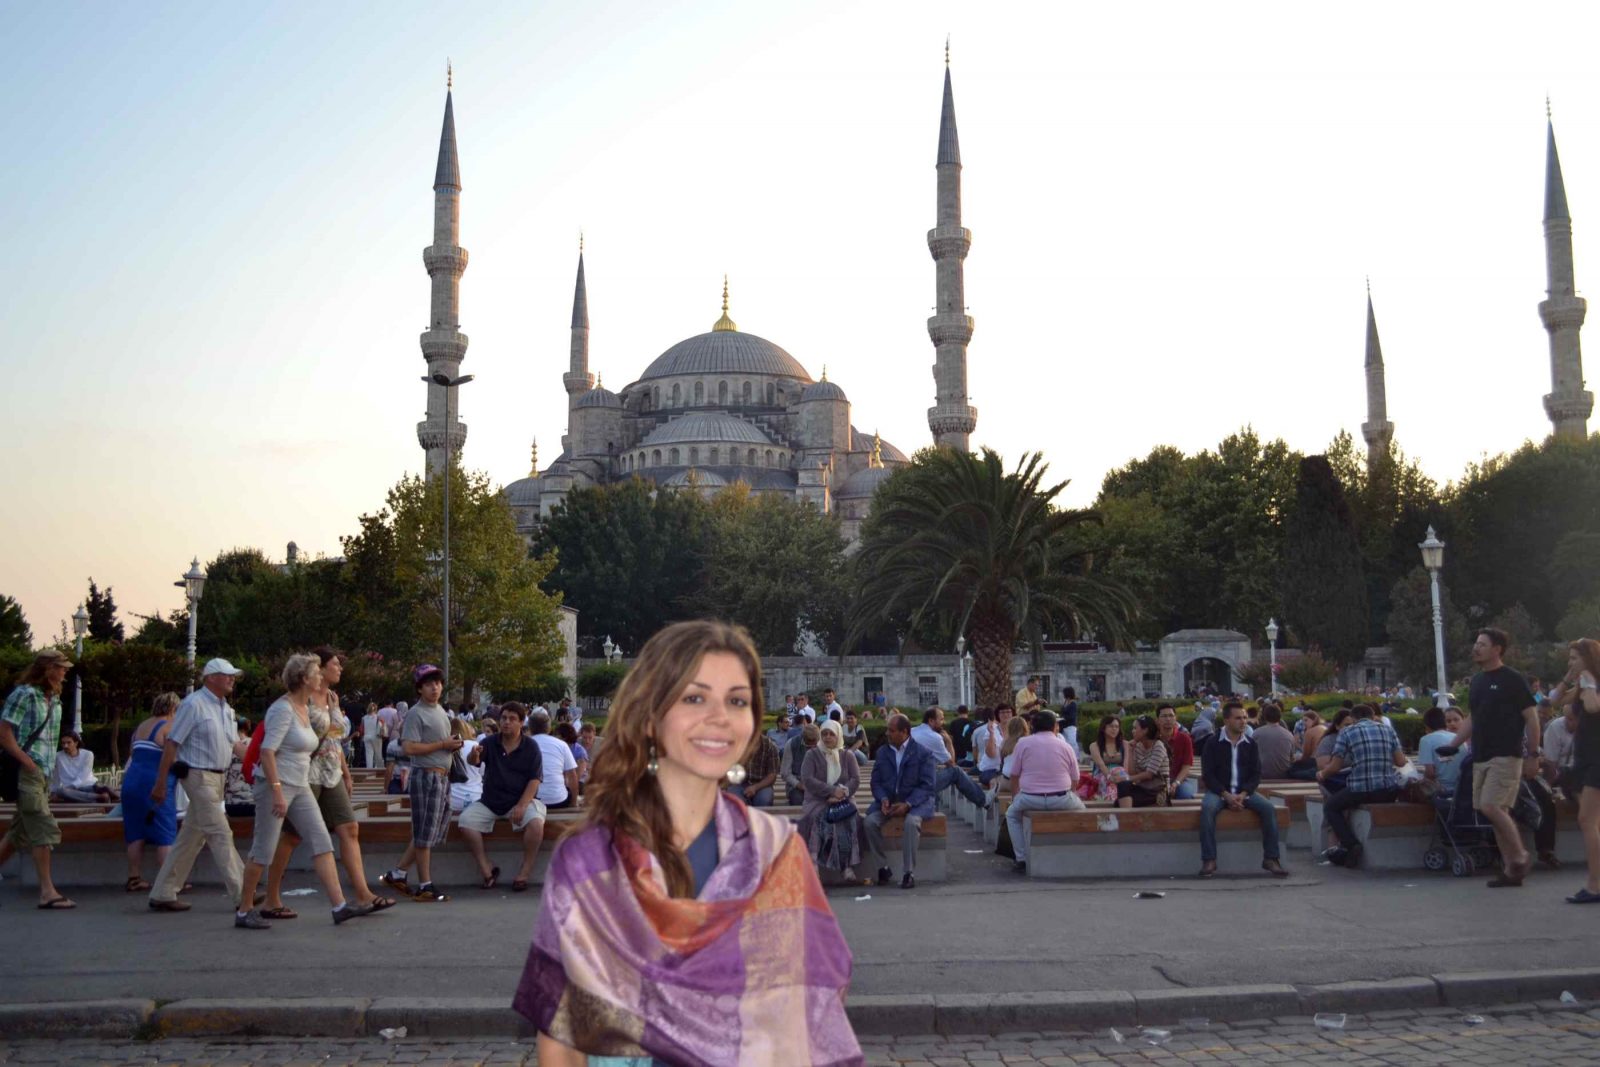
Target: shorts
(430,808)
(334,803)
(1582,776)
(1495,782)
(33,826)
(478,816)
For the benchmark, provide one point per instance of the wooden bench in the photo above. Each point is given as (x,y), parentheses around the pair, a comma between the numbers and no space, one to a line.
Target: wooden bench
(1139,842)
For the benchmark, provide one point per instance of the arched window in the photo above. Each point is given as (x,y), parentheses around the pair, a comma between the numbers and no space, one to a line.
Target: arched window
(769,457)
(699,393)
(772,393)
(655,458)
(677,395)
(714,450)
(747,392)
(722,393)
(672,457)
(694,456)
(752,459)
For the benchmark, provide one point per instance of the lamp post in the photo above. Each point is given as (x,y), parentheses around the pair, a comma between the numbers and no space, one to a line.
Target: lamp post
(80,626)
(1272,653)
(450,385)
(193,585)
(961,670)
(1433,559)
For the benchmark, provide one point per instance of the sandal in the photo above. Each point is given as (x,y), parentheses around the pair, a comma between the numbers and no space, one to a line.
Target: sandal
(279,913)
(380,903)
(135,884)
(492,880)
(427,894)
(57,904)
(520,885)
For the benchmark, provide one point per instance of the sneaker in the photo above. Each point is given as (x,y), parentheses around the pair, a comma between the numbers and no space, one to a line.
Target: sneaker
(251,920)
(396,880)
(909,881)
(1335,857)
(1020,866)
(885,876)
(427,894)
(1583,896)
(348,911)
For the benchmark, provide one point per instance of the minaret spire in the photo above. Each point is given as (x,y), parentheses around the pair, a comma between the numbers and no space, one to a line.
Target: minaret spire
(444,346)
(1567,404)
(724,324)
(1378,430)
(951,419)
(578,380)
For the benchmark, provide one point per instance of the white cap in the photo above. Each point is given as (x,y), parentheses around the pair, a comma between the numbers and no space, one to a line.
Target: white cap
(219,666)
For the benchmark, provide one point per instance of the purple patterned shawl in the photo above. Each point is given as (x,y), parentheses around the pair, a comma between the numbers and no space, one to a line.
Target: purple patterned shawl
(753,972)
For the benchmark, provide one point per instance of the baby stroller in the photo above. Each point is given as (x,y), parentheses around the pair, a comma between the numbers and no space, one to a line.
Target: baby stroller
(1463,840)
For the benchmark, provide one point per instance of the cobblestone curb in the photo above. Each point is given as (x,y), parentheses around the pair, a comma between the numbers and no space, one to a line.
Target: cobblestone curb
(928,1013)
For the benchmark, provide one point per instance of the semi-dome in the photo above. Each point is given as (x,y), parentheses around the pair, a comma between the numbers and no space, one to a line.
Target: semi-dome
(863,483)
(725,352)
(523,493)
(706,427)
(702,479)
(862,442)
(598,397)
(823,390)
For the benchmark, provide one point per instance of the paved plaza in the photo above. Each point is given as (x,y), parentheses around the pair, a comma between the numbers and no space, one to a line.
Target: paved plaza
(1553,1034)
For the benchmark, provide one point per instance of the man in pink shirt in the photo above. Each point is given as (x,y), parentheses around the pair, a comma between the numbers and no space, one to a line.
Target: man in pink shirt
(1044,773)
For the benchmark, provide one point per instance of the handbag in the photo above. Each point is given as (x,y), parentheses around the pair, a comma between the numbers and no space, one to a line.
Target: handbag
(11,770)
(840,811)
(458,769)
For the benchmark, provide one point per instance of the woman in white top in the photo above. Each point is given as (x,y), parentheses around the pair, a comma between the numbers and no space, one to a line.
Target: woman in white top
(72,778)
(464,793)
(282,789)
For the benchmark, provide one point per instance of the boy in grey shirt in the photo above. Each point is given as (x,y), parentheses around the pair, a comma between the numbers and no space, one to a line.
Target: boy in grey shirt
(426,738)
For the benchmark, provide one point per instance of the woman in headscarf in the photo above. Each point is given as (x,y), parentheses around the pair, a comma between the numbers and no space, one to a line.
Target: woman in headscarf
(678,925)
(831,828)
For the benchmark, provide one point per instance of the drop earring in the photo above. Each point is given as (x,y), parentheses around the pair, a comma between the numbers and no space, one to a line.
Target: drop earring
(736,774)
(654,765)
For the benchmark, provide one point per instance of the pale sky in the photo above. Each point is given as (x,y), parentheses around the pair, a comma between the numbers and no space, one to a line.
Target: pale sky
(215,215)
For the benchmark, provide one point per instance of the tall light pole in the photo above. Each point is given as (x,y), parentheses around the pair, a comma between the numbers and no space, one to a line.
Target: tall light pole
(961,670)
(450,385)
(1272,653)
(193,585)
(1433,559)
(80,626)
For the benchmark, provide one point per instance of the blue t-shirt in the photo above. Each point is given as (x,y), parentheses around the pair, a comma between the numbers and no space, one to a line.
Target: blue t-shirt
(702,854)
(1447,768)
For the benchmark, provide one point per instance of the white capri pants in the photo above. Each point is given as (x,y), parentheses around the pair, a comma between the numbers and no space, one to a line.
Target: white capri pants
(303,812)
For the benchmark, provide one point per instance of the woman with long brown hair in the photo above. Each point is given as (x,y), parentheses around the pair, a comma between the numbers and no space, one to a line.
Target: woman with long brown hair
(1583,673)
(678,924)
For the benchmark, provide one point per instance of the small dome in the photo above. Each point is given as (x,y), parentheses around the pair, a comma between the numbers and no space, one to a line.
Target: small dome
(863,483)
(523,493)
(725,352)
(697,477)
(706,427)
(823,390)
(862,442)
(598,397)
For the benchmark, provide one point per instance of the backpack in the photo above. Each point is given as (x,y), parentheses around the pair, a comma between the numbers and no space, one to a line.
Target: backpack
(252,755)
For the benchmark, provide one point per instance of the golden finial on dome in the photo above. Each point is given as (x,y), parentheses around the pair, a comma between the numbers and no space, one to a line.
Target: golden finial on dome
(449,75)
(693,477)
(877,451)
(534,460)
(724,324)
(824,372)
(580,242)
(599,379)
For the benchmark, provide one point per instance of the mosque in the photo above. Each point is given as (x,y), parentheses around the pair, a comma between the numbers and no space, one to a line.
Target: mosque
(721,407)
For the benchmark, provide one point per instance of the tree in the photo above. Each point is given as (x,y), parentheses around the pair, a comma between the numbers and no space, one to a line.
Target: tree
(124,679)
(600,680)
(171,632)
(1411,629)
(629,558)
(504,629)
(102,609)
(775,565)
(14,629)
(1308,672)
(955,539)
(1324,591)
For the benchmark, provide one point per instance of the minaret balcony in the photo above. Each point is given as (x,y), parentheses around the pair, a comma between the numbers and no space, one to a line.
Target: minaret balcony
(1378,432)
(452,259)
(1569,407)
(577,384)
(949,242)
(449,345)
(431,435)
(950,329)
(952,418)
(1566,313)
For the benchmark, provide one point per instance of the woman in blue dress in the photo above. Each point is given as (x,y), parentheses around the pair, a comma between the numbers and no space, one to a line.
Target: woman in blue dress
(142,823)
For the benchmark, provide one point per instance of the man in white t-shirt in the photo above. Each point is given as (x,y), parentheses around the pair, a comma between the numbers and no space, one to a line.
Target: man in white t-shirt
(804,712)
(558,786)
(831,706)
(987,738)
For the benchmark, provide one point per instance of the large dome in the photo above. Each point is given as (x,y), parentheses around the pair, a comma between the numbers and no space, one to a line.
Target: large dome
(725,352)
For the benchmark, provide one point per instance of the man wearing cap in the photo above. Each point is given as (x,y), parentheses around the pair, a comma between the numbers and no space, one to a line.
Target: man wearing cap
(427,739)
(30,723)
(203,735)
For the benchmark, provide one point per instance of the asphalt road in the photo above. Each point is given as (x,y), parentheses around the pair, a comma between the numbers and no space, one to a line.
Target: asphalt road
(986,929)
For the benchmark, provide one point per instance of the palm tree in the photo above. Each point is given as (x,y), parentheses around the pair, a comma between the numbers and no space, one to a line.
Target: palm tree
(955,542)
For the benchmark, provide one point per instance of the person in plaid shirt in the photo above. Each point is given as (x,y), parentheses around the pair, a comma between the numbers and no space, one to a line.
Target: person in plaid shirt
(760,772)
(1371,749)
(30,731)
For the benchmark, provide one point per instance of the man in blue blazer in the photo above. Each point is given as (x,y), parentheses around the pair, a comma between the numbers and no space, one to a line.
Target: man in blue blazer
(903,784)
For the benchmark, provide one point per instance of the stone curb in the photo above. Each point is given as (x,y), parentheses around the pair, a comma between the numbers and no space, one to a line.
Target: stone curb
(870,1014)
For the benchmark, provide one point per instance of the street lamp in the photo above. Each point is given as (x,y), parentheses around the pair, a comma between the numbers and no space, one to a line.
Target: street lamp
(961,669)
(1272,646)
(1433,559)
(450,385)
(608,648)
(80,626)
(193,585)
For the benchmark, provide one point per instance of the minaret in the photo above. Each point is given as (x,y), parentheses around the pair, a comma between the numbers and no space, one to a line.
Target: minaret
(1378,430)
(443,344)
(578,380)
(951,418)
(1568,404)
